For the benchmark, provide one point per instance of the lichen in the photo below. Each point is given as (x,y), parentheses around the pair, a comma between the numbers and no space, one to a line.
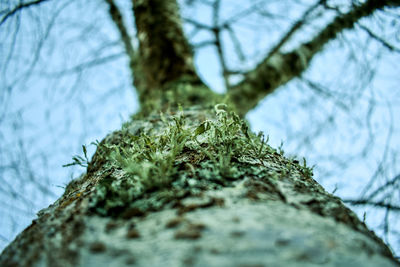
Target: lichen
(179,155)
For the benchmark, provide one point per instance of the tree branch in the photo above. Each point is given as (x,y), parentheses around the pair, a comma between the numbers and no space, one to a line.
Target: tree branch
(294,29)
(85,65)
(18,8)
(126,39)
(379,204)
(197,24)
(218,42)
(389,184)
(278,69)
(164,52)
(380,40)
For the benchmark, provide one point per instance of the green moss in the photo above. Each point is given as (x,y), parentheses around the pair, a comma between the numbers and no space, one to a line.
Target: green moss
(187,91)
(148,166)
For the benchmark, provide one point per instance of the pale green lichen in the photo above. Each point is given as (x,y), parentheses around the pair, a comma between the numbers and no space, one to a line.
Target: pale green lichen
(179,155)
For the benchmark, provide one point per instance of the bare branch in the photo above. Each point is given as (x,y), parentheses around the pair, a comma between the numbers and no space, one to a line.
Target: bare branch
(203,44)
(218,42)
(379,204)
(278,69)
(380,40)
(294,29)
(116,17)
(326,93)
(197,24)
(387,185)
(85,65)
(18,8)
(380,167)
(38,50)
(242,14)
(236,43)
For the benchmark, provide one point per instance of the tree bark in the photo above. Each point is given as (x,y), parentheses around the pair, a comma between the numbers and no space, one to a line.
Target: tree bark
(192,185)
(225,199)
(165,57)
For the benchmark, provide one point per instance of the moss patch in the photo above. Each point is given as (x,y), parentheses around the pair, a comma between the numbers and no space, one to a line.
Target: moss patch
(176,155)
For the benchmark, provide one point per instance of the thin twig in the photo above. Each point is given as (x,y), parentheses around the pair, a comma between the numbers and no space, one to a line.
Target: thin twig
(20,7)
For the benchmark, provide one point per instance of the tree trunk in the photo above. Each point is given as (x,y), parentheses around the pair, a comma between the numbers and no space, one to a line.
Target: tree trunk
(194,188)
(191,185)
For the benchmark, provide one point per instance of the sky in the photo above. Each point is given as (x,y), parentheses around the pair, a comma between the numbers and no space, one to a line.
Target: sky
(56,96)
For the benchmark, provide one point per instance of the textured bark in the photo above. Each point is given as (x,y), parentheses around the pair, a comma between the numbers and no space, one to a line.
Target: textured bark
(255,219)
(165,54)
(165,74)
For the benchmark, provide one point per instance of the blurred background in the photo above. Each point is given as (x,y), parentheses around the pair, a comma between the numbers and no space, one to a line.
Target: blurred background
(65,82)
